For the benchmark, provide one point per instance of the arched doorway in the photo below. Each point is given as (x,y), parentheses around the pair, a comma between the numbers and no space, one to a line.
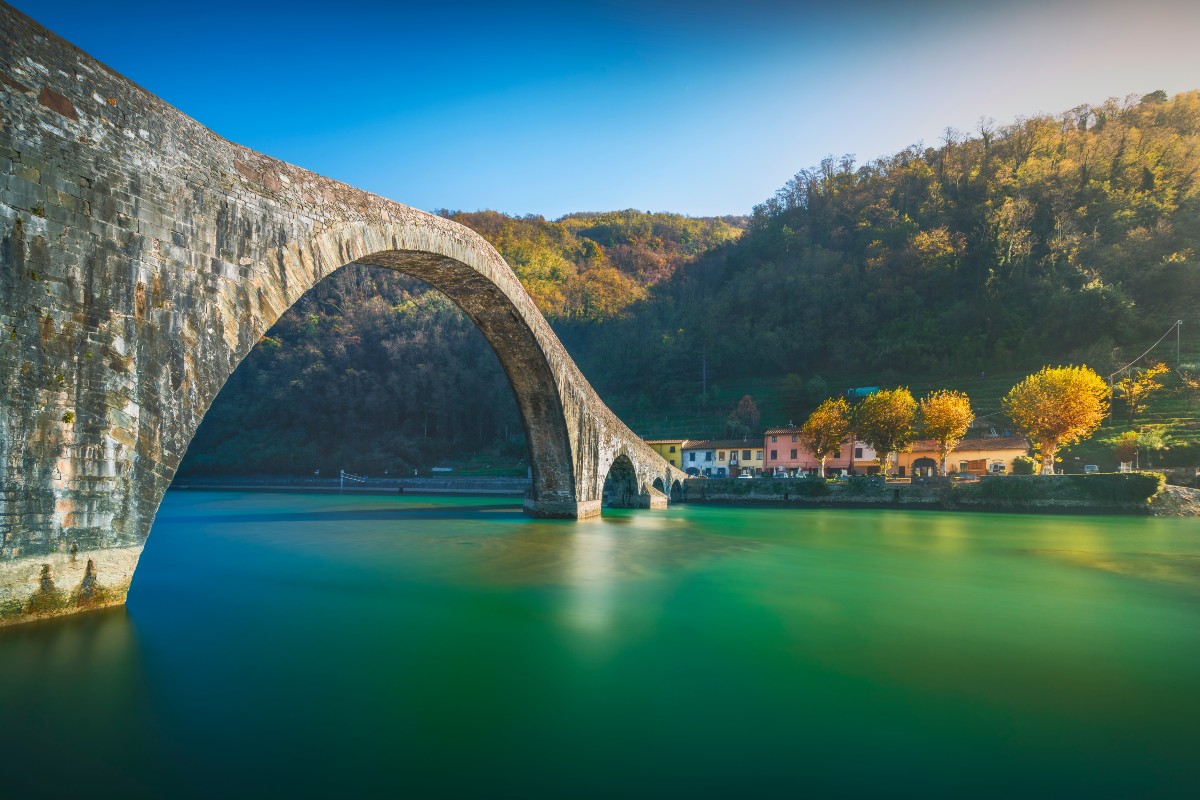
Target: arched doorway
(925,468)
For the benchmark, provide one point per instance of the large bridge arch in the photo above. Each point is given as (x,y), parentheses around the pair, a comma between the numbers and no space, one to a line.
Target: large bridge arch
(141,259)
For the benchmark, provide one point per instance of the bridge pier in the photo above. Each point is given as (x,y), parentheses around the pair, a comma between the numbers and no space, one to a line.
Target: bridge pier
(562,508)
(141,259)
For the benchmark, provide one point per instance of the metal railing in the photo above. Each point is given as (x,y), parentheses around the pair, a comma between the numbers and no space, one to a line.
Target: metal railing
(344,476)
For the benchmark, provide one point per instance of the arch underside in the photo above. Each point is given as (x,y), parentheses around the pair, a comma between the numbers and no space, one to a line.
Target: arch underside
(141,259)
(524,362)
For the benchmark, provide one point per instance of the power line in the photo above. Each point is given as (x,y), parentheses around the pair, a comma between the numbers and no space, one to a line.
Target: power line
(1176,327)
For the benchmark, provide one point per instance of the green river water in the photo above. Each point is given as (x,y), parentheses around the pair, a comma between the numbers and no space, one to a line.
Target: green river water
(319,646)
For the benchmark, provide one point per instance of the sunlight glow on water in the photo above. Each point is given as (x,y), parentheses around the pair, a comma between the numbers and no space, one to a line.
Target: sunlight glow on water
(327,646)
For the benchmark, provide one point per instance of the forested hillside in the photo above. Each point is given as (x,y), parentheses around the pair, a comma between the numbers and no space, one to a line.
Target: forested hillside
(1072,237)
(1053,239)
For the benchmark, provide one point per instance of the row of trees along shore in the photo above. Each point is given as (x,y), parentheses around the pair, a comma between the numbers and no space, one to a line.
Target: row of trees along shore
(1053,408)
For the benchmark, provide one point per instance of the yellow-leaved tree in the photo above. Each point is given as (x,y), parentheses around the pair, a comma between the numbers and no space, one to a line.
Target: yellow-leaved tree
(1056,407)
(946,416)
(1137,386)
(885,420)
(825,429)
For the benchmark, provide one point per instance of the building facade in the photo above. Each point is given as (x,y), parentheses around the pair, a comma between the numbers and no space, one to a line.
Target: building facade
(975,456)
(729,457)
(670,449)
(699,458)
(785,453)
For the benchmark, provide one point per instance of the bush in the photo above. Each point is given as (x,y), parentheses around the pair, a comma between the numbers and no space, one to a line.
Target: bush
(1120,487)
(1025,465)
(1105,489)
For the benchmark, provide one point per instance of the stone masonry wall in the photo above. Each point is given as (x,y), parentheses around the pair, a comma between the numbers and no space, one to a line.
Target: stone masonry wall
(141,258)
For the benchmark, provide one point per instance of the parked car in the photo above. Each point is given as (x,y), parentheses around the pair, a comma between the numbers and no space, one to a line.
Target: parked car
(1090,469)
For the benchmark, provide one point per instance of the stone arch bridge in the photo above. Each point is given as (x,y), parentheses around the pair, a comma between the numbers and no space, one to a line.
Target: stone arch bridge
(141,259)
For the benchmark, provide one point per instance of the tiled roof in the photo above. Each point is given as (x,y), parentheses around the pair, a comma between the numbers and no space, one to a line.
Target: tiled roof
(726,444)
(663,441)
(977,444)
(785,431)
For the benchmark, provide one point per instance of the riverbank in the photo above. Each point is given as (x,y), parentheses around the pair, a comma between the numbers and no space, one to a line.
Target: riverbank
(1141,493)
(488,486)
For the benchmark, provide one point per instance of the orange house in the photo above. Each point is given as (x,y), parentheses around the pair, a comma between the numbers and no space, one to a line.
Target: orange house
(976,456)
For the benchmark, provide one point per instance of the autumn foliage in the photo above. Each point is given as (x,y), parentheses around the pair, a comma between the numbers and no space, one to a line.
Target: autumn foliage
(946,416)
(1056,407)
(1138,385)
(825,429)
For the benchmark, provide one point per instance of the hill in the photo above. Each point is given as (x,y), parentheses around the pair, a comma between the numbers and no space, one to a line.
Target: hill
(1070,238)
(1055,239)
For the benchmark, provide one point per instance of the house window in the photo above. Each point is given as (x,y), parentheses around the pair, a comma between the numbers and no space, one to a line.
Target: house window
(758,455)
(708,456)
(720,455)
(963,466)
(672,448)
(774,454)
(794,455)
(774,439)
(837,453)
(691,456)
(858,452)
(745,455)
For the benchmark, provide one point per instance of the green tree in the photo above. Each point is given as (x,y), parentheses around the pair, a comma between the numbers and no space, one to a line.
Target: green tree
(1025,465)
(1129,446)
(1055,407)
(885,420)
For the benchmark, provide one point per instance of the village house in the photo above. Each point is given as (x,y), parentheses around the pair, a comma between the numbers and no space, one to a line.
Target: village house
(974,456)
(670,449)
(723,458)
(784,452)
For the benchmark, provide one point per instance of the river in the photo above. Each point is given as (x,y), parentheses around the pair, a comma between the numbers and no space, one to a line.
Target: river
(324,646)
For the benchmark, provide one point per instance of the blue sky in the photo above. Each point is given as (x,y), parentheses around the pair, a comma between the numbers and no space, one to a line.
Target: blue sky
(696,107)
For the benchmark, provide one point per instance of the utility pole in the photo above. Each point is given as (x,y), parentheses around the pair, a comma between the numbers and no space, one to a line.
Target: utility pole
(1178,343)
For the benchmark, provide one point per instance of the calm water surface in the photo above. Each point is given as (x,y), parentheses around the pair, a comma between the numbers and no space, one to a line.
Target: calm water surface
(319,646)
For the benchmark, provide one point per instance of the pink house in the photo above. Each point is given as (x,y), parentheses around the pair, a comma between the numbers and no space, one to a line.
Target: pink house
(783,451)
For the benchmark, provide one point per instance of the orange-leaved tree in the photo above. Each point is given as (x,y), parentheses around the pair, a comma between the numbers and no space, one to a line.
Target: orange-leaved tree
(1135,387)
(946,416)
(1055,407)
(825,429)
(885,420)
